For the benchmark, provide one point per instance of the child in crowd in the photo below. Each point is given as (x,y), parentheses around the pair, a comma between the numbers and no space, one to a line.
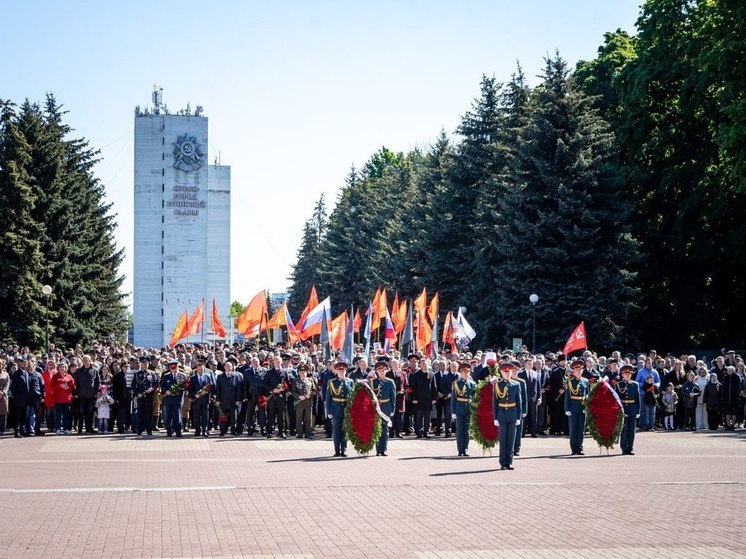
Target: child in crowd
(103,408)
(669,401)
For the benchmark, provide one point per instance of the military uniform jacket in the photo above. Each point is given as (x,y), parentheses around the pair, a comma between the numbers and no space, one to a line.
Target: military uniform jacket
(167,381)
(461,395)
(629,394)
(386,393)
(337,392)
(575,395)
(143,384)
(507,404)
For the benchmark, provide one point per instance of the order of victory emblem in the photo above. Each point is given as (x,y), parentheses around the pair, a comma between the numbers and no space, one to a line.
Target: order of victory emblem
(188,154)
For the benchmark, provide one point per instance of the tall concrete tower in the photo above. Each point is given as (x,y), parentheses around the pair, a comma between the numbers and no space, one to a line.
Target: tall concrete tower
(182,223)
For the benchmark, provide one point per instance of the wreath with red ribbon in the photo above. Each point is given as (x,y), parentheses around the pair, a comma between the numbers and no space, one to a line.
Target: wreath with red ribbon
(362,423)
(605,414)
(482,425)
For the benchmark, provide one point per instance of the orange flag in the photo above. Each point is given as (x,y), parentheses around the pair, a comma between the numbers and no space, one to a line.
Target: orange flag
(382,307)
(395,306)
(374,302)
(421,302)
(399,317)
(357,322)
(215,322)
(181,330)
(197,318)
(279,318)
(339,330)
(252,320)
(313,302)
(424,331)
(432,310)
(448,336)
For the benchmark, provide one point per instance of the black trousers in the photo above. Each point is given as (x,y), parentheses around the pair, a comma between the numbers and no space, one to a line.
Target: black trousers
(421,420)
(276,407)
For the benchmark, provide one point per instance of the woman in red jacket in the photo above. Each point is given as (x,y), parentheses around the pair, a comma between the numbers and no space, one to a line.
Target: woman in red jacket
(63,386)
(49,372)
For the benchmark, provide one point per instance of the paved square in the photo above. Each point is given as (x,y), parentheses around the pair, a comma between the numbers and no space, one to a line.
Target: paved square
(682,496)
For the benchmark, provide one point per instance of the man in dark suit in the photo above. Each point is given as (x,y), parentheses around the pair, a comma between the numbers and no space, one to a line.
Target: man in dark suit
(533,395)
(424,394)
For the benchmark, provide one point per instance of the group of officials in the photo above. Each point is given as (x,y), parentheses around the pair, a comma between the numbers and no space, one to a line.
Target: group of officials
(281,393)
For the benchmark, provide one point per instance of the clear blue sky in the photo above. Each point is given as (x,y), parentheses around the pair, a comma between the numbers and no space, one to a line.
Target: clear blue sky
(296,91)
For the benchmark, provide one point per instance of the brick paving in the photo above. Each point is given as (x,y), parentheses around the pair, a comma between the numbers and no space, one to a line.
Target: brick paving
(683,495)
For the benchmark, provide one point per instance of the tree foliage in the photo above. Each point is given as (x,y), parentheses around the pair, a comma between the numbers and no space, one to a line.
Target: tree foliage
(67,240)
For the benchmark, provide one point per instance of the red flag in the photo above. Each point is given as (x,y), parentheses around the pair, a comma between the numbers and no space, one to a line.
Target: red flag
(399,317)
(433,309)
(357,321)
(215,323)
(252,320)
(421,301)
(313,302)
(577,340)
(181,330)
(197,318)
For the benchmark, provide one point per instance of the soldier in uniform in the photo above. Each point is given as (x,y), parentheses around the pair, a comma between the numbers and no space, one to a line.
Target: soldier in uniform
(524,405)
(143,387)
(507,410)
(337,392)
(172,388)
(629,394)
(302,393)
(462,391)
(385,391)
(575,395)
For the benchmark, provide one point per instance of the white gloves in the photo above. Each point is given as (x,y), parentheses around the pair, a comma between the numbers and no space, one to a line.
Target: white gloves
(497,422)
(637,416)
(568,413)
(517,422)
(329,416)
(453,416)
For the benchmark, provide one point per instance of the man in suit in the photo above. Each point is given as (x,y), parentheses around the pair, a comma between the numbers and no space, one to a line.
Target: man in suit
(228,394)
(424,394)
(533,396)
(200,387)
(506,410)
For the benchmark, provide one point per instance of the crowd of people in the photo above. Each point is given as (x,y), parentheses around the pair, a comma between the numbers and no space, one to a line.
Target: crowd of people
(281,391)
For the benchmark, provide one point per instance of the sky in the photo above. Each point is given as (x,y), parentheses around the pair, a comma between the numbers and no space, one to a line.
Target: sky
(296,92)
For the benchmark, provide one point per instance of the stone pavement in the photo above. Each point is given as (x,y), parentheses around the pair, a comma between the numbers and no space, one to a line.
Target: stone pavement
(682,496)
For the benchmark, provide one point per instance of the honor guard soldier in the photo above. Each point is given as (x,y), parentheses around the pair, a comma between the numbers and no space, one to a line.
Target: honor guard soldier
(629,394)
(524,404)
(385,391)
(575,395)
(173,383)
(143,387)
(337,392)
(507,408)
(462,391)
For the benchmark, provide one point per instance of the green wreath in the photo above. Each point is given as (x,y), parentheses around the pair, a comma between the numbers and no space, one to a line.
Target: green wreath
(362,424)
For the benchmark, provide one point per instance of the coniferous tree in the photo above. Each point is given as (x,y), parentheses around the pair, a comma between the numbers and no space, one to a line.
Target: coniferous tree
(306,270)
(564,233)
(21,299)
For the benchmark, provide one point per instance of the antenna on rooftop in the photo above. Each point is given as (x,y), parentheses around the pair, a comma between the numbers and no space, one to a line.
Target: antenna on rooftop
(157,99)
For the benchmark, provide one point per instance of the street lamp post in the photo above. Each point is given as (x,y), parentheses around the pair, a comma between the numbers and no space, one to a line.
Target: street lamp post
(47,291)
(534,298)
